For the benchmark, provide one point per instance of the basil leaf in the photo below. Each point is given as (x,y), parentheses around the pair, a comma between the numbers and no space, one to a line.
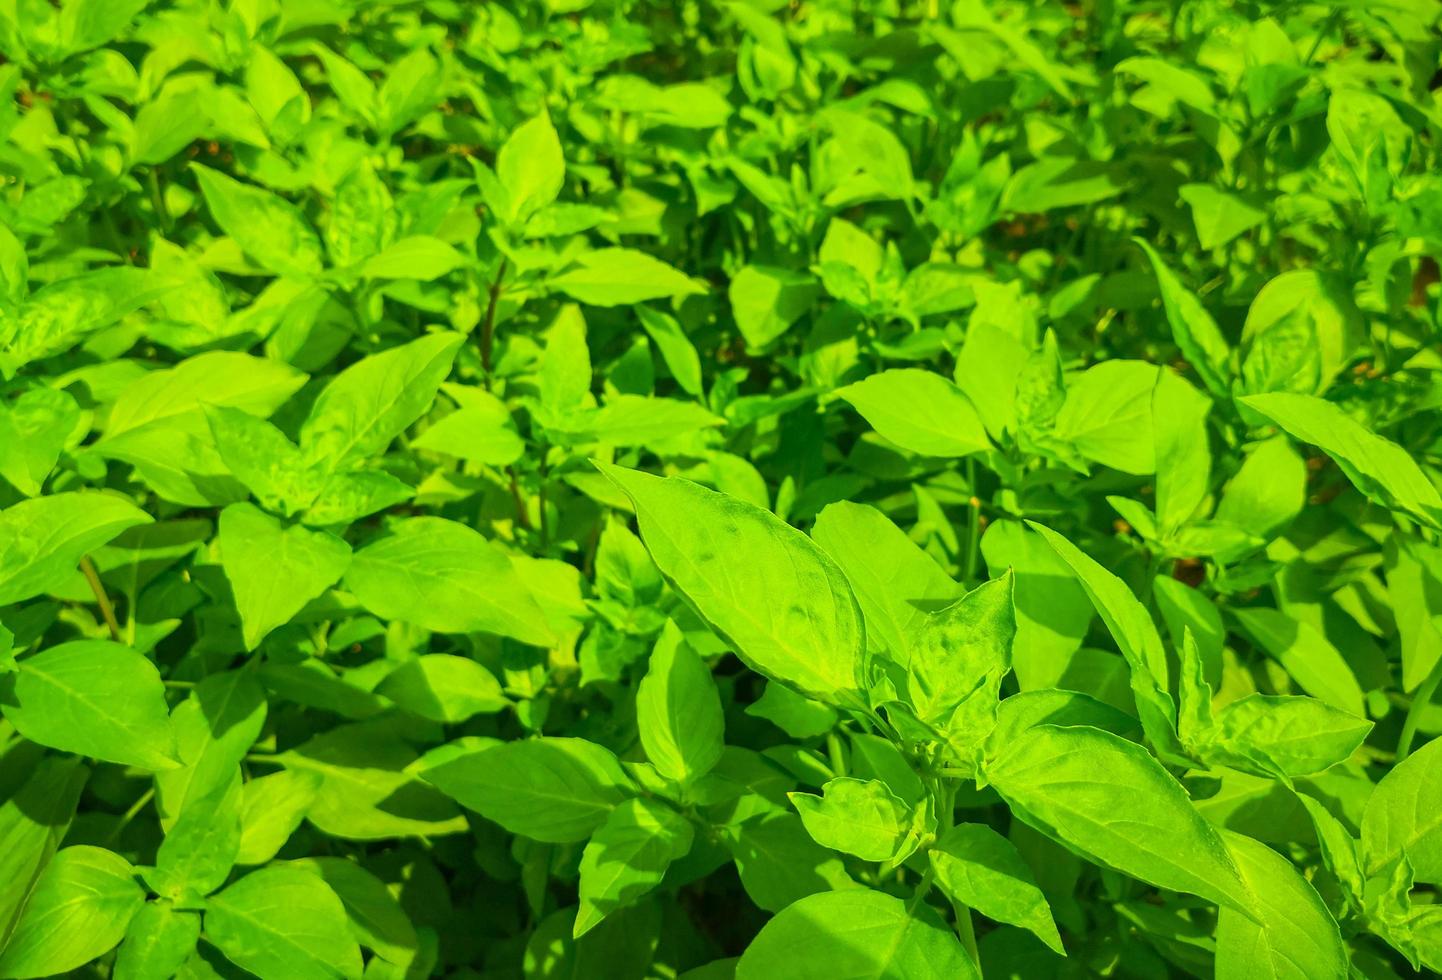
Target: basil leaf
(79,909)
(283,920)
(855,933)
(95,698)
(792,616)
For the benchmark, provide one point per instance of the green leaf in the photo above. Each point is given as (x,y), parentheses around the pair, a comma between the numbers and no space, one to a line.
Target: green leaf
(979,868)
(1269,490)
(1053,612)
(858,933)
(175,398)
(531,168)
(1381,469)
(1219,216)
(627,857)
(351,85)
(411,87)
(1110,801)
(166,124)
(897,584)
(214,727)
(376,918)
(987,370)
(795,715)
(1107,416)
(347,497)
(369,789)
(200,849)
(95,698)
(260,456)
(874,149)
(676,348)
(283,921)
(42,540)
(480,431)
(766,301)
(1403,817)
(33,821)
(272,807)
(85,24)
(634,420)
(621,277)
(1196,723)
(678,710)
(33,432)
(855,816)
(1314,663)
(557,790)
(920,411)
(1288,736)
(374,400)
(1290,935)
(1195,332)
(276,94)
(158,423)
(421,257)
(79,909)
(362,215)
(961,647)
(1414,584)
(445,577)
(1184,460)
(443,688)
(275,570)
(1181,84)
(269,229)
(158,942)
(779,862)
(61,313)
(1339,849)
(791,617)
(1135,634)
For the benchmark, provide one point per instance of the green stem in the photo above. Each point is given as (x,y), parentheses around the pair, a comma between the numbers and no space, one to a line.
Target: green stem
(157,196)
(973,540)
(922,888)
(131,814)
(965,931)
(87,568)
(488,325)
(1420,701)
(833,750)
(523,518)
(543,528)
(1327,27)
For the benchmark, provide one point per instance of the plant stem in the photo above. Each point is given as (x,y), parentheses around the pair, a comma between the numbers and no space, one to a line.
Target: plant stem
(922,888)
(541,501)
(833,750)
(965,931)
(973,540)
(488,325)
(131,814)
(157,195)
(1327,26)
(523,519)
(1420,701)
(87,567)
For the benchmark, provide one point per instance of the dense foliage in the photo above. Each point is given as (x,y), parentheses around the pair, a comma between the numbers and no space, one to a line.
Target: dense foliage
(646,489)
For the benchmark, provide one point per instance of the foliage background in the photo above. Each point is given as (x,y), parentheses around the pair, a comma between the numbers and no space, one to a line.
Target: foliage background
(314,316)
